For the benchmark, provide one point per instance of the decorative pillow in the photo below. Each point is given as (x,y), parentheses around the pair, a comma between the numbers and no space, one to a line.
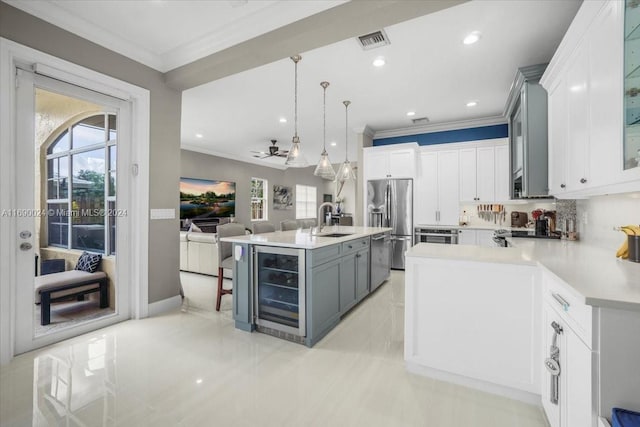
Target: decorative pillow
(88,262)
(195,229)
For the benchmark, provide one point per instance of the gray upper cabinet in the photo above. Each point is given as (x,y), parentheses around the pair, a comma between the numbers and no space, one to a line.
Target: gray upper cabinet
(527,111)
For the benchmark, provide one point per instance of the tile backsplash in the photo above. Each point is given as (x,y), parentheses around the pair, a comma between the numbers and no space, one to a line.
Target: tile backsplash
(598,216)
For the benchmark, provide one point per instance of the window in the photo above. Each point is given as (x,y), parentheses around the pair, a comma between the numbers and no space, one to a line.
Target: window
(81,186)
(306,202)
(258,199)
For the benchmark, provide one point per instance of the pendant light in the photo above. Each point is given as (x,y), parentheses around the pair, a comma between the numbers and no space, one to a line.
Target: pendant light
(295,158)
(345,172)
(324,168)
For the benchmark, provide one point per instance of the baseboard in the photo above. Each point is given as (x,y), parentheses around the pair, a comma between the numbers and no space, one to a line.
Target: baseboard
(165,305)
(523,396)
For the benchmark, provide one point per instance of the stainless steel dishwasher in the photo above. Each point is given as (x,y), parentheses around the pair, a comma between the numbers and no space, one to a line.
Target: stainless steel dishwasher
(380,258)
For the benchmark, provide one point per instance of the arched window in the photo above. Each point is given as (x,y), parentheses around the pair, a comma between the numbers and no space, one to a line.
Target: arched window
(81,185)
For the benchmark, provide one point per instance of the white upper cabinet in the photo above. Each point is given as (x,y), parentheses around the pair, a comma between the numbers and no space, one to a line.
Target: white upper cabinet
(384,162)
(578,119)
(468,178)
(437,197)
(502,172)
(558,134)
(484,172)
(585,85)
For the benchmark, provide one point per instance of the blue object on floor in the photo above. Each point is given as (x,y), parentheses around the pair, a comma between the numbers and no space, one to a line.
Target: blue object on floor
(624,418)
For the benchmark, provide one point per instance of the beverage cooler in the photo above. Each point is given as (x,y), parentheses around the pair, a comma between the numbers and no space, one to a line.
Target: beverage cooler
(280,289)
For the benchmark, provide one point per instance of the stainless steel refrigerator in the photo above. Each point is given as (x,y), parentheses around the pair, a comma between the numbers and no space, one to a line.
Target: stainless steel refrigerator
(390,204)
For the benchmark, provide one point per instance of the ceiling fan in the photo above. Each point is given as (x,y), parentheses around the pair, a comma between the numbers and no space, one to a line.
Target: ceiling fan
(273,151)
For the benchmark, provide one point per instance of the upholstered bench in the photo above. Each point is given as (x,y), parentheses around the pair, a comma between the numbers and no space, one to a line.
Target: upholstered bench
(68,284)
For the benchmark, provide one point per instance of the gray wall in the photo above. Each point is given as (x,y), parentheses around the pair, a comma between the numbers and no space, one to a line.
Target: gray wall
(165,130)
(204,166)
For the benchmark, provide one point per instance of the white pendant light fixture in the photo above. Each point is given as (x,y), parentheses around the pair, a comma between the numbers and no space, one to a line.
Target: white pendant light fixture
(324,168)
(345,172)
(295,158)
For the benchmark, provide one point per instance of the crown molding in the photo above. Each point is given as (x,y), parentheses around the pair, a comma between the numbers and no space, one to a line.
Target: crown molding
(532,73)
(365,130)
(251,160)
(56,15)
(437,127)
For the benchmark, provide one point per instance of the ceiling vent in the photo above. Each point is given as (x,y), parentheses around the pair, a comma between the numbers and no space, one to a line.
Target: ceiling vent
(374,40)
(420,120)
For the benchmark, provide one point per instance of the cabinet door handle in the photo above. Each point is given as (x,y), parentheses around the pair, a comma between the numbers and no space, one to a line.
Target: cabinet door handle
(350,247)
(583,180)
(563,302)
(358,255)
(563,186)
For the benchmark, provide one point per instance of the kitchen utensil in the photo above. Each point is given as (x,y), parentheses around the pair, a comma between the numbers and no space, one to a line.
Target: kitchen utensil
(536,214)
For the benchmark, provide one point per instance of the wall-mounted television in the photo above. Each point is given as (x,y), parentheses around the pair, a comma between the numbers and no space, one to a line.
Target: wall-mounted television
(203,198)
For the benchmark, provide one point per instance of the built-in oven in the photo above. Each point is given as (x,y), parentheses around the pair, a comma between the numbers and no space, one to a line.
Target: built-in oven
(447,236)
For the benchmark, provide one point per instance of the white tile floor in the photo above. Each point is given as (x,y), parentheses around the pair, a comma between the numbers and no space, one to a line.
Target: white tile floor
(192,368)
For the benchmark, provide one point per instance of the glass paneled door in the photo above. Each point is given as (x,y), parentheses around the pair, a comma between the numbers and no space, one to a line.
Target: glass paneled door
(67,205)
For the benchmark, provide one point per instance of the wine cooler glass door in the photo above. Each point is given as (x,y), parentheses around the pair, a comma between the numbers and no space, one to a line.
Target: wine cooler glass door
(280,289)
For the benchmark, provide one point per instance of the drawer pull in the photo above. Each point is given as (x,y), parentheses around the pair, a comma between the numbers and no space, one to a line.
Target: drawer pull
(563,302)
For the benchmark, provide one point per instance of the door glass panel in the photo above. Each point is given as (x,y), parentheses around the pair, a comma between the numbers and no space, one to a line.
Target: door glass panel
(88,201)
(88,132)
(632,84)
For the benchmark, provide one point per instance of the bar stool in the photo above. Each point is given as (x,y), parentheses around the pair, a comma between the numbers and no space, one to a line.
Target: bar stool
(225,255)
(290,224)
(263,227)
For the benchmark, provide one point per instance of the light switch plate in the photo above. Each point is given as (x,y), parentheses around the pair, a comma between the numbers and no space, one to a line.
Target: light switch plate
(162,213)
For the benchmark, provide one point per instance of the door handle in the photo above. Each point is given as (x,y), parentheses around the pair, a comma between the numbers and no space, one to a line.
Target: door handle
(25,234)
(25,246)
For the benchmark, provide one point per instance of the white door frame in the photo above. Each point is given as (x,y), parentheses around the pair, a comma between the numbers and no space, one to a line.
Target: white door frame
(11,54)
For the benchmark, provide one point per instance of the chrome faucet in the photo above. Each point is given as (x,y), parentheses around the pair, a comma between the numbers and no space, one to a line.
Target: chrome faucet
(320,219)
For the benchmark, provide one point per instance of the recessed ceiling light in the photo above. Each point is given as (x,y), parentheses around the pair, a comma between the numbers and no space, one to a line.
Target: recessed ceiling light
(472,103)
(283,120)
(379,62)
(333,144)
(411,113)
(199,135)
(199,381)
(472,37)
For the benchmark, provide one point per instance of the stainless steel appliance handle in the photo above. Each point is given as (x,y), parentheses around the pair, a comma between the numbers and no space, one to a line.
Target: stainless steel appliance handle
(381,237)
(436,234)
(387,204)
(563,302)
(400,238)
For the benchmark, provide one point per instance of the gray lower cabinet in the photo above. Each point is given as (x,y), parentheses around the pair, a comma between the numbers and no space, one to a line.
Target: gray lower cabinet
(323,300)
(362,274)
(347,282)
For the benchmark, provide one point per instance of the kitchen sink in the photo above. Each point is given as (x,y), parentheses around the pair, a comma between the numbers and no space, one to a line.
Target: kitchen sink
(335,235)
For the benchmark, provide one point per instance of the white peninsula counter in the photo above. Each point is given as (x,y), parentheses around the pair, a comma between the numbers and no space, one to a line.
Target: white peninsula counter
(483,317)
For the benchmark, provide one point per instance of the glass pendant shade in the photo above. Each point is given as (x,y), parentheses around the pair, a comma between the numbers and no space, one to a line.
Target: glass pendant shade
(295,158)
(346,172)
(325,168)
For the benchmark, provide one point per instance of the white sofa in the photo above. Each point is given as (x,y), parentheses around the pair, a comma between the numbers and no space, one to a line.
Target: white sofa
(199,253)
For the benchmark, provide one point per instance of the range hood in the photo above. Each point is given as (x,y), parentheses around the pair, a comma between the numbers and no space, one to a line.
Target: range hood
(526,110)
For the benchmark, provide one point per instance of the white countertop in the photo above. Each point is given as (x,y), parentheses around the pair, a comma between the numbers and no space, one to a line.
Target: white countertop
(594,274)
(303,239)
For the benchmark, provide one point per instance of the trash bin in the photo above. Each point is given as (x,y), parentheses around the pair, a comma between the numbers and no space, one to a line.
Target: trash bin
(624,418)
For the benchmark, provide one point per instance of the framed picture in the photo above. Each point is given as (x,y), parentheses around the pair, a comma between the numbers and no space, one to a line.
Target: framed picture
(282,197)
(203,198)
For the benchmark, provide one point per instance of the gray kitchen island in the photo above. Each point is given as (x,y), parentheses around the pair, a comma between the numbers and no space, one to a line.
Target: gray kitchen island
(297,285)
